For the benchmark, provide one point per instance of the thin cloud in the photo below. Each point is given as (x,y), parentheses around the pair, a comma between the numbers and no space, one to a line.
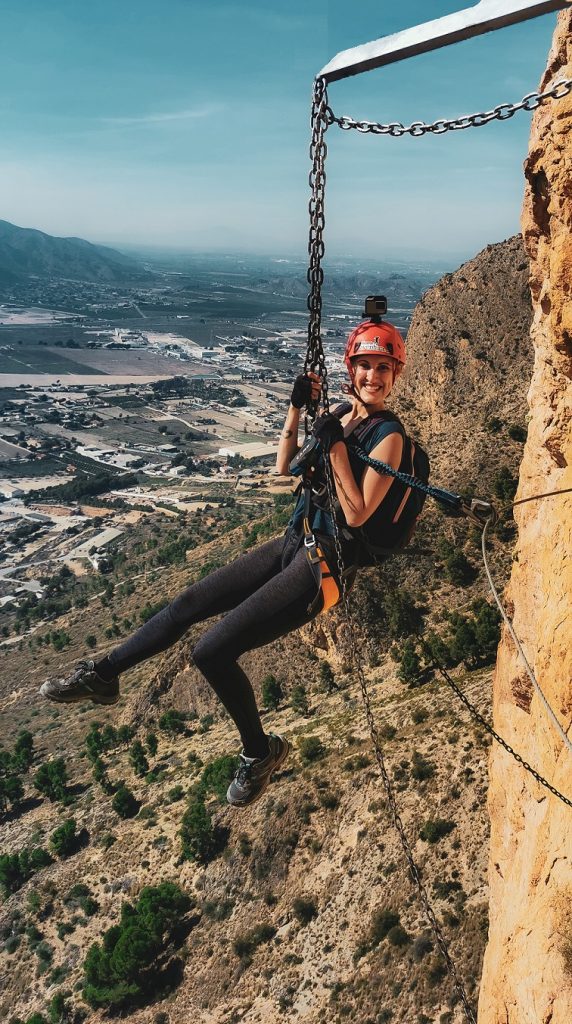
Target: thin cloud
(192,114)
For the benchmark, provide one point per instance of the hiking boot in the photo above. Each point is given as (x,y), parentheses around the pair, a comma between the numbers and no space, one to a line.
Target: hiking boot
(253,775)
(84,683)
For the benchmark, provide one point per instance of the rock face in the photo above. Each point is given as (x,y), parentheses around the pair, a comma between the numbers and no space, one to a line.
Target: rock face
(469,365)
(527,976)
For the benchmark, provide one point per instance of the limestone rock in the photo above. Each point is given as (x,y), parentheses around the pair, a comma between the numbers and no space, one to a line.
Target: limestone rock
(527,975)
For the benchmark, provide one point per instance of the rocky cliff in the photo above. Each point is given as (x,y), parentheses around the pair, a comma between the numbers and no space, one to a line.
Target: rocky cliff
(528,965)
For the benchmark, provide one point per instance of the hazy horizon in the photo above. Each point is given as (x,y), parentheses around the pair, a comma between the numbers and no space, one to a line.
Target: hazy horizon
(190,131)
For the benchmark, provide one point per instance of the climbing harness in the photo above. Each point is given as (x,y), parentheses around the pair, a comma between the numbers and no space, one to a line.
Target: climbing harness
(328,593)
(477,511)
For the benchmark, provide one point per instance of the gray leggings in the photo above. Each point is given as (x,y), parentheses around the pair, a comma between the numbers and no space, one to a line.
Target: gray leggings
(265,594)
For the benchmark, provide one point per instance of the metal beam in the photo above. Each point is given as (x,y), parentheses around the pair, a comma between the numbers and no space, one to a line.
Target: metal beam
(485,16)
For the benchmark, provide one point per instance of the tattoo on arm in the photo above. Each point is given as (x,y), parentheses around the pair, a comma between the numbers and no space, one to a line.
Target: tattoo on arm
(287,433)
(341,487)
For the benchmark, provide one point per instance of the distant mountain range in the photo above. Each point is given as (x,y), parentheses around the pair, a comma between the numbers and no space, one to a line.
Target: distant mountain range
(25,252)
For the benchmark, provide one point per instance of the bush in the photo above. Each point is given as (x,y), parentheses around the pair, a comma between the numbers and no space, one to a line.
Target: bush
(50,779)
(397,936)
(245,945)
(299,700)
(124,803)
(152,743)
(410,664)
(122,969)
(217,775)
(381,924)
(516,432)
(421,768)
(271,692)
(505,484)
(304,910)
(64,840)
(311,749)
(433,831)
(199,840)
(137,758)
(172,722)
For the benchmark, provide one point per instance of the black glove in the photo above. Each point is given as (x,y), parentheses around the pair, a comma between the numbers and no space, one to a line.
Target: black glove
(328,429)
(302,391)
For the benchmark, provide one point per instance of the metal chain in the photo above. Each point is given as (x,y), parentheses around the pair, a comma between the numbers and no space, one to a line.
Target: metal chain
(502,112)
(357,661)
(315,359)
(433,663)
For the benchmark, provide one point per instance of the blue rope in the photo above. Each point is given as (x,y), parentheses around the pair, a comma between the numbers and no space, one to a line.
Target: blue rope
(452,501)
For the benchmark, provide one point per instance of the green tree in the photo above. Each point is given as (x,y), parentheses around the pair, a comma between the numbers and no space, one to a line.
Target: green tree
(199,840)
(299,700)
(409,670)
(271,692)
(152,743)
(137,758)
(172,721)
(64,839)
(123,968)
(124,803)
(23,751)
(51,778)
(327,678)
(11,792)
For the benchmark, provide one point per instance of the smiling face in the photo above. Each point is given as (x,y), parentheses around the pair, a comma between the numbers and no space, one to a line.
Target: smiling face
(373,378)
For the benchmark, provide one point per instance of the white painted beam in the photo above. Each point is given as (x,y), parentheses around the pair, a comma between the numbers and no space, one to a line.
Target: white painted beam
(485,16)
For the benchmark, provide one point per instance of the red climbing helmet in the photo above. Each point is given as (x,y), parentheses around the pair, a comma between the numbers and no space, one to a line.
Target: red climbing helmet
(379,338)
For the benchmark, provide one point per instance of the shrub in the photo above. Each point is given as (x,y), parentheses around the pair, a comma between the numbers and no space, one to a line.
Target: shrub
(381,924)
(245,945)
(217,775)
(419,715)
(123,968)
(397,936)
(433,831)
(152,743)
(271,692)
(299,700)
(304,910)
(516,432)
(410,664)
(64,839)
(505,484)
(50,779)
(422,945)
(124,803)
(137,758)
(421,768)
(199,840)
(172,722)
(311,749)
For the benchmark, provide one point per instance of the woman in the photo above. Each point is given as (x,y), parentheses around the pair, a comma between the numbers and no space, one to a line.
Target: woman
(270,591)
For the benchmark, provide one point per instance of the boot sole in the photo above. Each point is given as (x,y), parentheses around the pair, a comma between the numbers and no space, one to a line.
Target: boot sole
(261,792)
(94,698)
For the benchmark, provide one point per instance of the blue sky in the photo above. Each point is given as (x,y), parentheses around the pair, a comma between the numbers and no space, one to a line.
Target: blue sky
(182,124)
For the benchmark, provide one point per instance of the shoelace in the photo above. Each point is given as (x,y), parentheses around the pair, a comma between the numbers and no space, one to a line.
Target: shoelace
(77,676)
(244,771)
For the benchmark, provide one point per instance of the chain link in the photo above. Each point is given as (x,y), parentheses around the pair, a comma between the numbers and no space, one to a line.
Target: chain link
(433,663)
(355,655)
(315,360)
(502,112)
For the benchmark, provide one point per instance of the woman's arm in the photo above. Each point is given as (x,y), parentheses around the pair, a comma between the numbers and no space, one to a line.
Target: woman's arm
(288,444)
(360,502)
